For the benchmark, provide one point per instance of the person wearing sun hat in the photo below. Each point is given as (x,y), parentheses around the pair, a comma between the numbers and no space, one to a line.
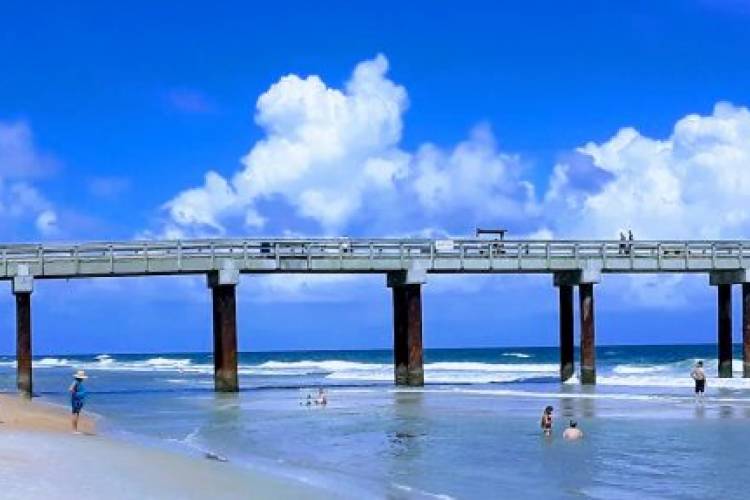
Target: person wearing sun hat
(77,397)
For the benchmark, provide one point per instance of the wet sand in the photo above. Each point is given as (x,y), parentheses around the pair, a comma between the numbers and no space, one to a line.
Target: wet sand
(41,458)
(18,413)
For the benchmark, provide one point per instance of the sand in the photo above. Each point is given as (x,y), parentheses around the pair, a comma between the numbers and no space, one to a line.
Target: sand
(20,413)
(40,457)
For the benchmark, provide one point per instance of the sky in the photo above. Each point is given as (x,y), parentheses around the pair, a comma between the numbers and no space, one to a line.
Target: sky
(393,119)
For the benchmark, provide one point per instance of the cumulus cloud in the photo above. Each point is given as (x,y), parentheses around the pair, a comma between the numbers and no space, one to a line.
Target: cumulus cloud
(21,202)
(331,155)
(693,184)
(333,158)
(474,178)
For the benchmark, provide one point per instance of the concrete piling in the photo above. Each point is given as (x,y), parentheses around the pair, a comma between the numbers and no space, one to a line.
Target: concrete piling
(567,366)
(223,284)
(588,344)
(23,343)
(725,329)
(408,356)
(23,286)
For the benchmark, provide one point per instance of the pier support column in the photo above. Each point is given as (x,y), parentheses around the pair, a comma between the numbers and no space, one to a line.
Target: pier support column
(23,285)
(567,366)
(584,278)
(588,344)
(223,287)
(746,330)
(725,330)
(408,356)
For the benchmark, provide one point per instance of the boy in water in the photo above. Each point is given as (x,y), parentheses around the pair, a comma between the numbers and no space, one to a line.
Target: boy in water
(572,433)
(546,422)
(700,381)
(322,399)
(77,397)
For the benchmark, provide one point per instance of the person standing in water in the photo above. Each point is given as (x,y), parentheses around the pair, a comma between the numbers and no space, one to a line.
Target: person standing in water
(77,397)
(546,422)
(572,433)
(699,376)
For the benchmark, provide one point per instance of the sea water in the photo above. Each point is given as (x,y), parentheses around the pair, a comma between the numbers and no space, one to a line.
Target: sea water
(471,432)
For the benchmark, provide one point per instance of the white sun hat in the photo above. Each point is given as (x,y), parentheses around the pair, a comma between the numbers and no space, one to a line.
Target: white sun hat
(80,375)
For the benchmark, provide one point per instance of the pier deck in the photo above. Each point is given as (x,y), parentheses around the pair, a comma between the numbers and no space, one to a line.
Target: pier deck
(369,256)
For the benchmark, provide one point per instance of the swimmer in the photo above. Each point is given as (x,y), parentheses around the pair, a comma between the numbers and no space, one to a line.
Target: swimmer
(572,432)
(322,400)
(546,422)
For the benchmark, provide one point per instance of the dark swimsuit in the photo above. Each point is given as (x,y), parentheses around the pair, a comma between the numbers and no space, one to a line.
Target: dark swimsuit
(700,385)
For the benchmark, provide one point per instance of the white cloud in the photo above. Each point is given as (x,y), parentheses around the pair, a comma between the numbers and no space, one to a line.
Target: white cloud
(19,158)
(324,148)
(474,178)
(693,184)
(46,222)
(332,155)
(20,201)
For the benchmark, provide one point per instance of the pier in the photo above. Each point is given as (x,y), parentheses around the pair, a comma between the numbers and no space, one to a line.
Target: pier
(406,265)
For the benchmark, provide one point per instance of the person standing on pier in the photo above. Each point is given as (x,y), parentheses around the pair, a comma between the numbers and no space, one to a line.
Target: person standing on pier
(699,376)
(546,422)
(630,242)
(77,397)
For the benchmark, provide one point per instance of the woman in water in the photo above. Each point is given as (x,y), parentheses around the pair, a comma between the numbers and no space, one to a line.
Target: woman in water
(77,397)
(546,422)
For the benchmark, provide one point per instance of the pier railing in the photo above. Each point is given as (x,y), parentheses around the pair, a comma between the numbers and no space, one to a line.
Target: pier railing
(369,256)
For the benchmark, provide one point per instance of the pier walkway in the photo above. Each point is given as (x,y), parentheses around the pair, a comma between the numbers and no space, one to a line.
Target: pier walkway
(405,262)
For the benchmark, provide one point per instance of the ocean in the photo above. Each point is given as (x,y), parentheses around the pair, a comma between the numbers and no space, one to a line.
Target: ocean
(471,432)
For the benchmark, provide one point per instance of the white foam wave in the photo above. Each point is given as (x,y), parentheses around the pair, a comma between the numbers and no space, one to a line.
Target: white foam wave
(520,355)
(52,362)
(637,369)
(669,375)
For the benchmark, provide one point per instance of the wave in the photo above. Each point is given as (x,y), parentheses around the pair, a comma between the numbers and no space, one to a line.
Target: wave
(637,369)
(668,375)
(516,355)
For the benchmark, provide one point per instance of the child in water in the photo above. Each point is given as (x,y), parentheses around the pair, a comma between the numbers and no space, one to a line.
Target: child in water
(546,422)
(77,397)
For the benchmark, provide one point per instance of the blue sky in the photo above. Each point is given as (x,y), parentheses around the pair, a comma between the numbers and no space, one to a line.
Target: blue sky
(413,118)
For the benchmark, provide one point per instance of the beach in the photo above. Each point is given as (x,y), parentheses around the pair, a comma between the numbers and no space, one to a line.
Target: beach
(41,458)
(471,432)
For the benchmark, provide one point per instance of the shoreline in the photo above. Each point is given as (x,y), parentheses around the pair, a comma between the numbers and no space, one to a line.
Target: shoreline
(41,457)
